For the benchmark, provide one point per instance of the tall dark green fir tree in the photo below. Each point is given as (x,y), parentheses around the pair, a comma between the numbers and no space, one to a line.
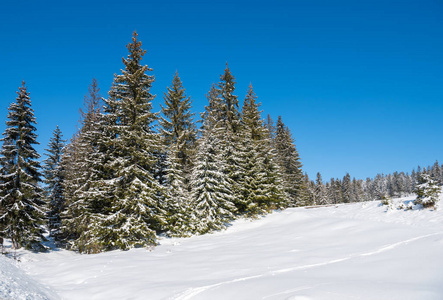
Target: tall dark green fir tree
(21,198)
(83,166)
(53,173)
(132,210)
(290,165)
(177,124)
(260,184)
(230,121)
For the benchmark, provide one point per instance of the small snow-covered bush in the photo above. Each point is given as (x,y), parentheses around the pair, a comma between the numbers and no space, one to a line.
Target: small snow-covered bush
(427,191)
(385,200)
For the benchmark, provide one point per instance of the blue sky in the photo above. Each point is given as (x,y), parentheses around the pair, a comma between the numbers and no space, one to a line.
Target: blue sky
(359,83)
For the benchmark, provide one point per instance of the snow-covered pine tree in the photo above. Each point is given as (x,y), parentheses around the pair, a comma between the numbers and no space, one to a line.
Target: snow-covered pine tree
(177,125)
(347,188)
(53,173)
(211,194)
(132,196)
(83,165)
(290,165)
(260,185)
(21,198)
(271,127)
(357,190)
(428,191)
(321,196)
(332,192)
(436,172)
(229,120)
(310,191)
(211,198)
(230,111)
(180,215)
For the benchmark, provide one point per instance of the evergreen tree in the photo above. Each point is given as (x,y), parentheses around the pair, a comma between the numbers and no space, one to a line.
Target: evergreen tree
(436,172)
(321,197)
(21,203)
(180,216)
(427,191)
(290,165)
(310,191)
(357,190)
(230,135)
(260,184)
(211,198)
(271,127)
(230,113)
(53,172)
(347,189)
(129,207)
(83,165)
(177,125)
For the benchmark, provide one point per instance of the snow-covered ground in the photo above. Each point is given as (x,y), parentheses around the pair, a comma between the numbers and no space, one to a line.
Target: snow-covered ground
(357,251)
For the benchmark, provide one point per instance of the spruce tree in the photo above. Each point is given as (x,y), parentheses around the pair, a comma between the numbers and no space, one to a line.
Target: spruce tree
(21,198)
(230,112)
(53,172)
(212,199)
(230,135)
(130,203)
(271,127)
(347,188)
(428,191)
(321,197)
(309,191)
(211,194)
(83,166)
(177,125)
(290,165)
(179,212)
(260,185)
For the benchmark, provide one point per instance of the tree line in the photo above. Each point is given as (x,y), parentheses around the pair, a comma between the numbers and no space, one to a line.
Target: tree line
(381,187)
(130,174)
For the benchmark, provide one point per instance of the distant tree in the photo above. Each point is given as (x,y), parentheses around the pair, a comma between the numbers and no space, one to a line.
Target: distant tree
(321,197)
(357,190)
(436,172)
(21,198)
(347,188)
(53,172)
(309,185)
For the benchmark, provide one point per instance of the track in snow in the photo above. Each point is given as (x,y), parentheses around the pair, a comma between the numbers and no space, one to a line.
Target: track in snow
(191,292)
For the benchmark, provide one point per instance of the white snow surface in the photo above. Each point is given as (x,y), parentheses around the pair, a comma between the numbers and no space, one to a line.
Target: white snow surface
(16,285)
(357,251)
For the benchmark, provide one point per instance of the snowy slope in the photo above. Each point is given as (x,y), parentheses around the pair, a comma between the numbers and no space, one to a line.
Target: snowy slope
(358,251)
(16,285)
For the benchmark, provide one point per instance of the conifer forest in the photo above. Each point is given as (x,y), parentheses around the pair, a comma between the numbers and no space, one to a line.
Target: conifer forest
(130,175)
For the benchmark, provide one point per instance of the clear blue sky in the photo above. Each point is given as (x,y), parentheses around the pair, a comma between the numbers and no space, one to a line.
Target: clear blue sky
(359,83)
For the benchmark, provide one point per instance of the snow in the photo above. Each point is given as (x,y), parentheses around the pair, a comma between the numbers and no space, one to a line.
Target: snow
(16,285)
(356,251)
